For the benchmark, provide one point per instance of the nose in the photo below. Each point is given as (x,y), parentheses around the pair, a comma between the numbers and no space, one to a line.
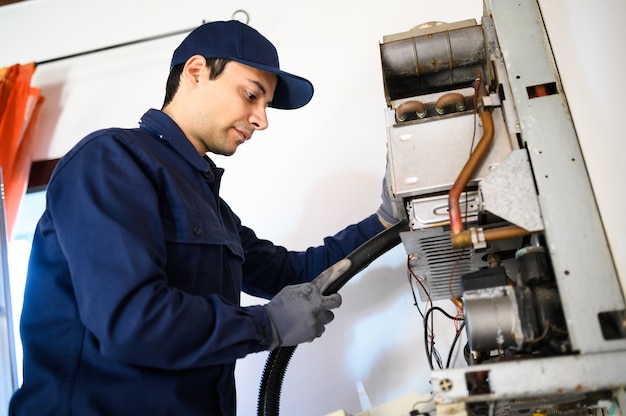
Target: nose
(259,118)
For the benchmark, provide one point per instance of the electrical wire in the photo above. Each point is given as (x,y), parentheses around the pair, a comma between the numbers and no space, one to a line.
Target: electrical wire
(428,330)
(411,275)
(444,312)
(456,339)
(430,346)
(415,303)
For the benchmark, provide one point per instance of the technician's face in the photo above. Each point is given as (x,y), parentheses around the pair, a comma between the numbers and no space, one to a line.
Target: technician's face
(231,107)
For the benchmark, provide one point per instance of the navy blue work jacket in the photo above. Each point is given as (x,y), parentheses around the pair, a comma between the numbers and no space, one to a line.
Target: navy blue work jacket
(132,298)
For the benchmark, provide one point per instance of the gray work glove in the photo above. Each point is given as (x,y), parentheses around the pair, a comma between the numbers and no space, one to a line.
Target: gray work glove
(299,313)
(388,211)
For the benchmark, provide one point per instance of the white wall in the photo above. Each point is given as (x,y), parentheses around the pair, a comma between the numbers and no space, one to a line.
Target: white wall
(318,168)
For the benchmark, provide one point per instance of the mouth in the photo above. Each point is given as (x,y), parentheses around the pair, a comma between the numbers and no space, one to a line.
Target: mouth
(244,135)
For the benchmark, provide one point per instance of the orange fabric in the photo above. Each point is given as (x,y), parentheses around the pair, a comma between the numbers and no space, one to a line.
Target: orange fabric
(19,107)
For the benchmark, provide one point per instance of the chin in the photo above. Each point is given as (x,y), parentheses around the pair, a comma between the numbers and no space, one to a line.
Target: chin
(227,152)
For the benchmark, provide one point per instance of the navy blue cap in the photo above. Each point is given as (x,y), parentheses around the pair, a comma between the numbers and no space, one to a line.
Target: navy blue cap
(241,43)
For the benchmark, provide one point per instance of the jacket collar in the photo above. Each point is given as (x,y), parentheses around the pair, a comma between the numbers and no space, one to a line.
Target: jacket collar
(162,126)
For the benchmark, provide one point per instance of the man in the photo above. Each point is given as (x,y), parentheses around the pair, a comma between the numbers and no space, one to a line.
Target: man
(132,297)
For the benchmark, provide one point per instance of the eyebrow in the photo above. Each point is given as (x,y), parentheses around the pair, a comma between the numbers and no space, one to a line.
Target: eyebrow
(259,85)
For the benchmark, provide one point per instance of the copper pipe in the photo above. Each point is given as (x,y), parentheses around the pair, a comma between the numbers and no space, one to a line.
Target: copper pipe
(503,233)
(460,238)
(411,106)
(449,99)
(456,224)
(458,303)
(464,238)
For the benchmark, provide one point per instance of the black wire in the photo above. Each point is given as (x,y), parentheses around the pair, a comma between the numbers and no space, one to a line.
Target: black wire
(437,308)
(427,348)
(456,338)
(437,356)
(430,349)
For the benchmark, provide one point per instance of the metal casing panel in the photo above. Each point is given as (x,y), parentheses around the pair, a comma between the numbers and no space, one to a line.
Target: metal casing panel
(585,273)
(569,376)
(509,192)
(418,149)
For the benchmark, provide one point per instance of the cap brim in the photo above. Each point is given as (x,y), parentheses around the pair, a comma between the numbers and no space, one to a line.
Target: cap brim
(291,91)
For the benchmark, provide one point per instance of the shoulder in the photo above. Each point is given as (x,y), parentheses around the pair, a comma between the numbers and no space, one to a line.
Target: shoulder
(110,137)
(107,149)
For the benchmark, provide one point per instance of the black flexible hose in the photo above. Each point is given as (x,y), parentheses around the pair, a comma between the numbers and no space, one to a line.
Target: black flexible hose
(272,380)
(278,360)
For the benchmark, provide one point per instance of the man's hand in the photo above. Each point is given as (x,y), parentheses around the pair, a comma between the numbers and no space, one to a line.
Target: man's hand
(299,313)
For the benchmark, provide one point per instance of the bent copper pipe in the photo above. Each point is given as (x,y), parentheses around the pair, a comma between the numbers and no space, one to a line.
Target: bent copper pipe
(460,238)
(456,224)
(449,99)
(411,106)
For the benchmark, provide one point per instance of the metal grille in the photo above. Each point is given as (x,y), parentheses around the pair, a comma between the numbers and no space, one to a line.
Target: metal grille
(436,264)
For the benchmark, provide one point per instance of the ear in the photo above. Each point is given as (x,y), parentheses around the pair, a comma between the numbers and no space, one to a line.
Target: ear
(193,67)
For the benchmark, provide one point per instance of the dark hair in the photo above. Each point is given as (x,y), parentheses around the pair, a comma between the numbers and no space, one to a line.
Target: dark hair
(216,67)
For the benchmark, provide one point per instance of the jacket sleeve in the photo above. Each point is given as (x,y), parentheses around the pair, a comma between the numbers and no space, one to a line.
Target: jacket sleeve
(268,268)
